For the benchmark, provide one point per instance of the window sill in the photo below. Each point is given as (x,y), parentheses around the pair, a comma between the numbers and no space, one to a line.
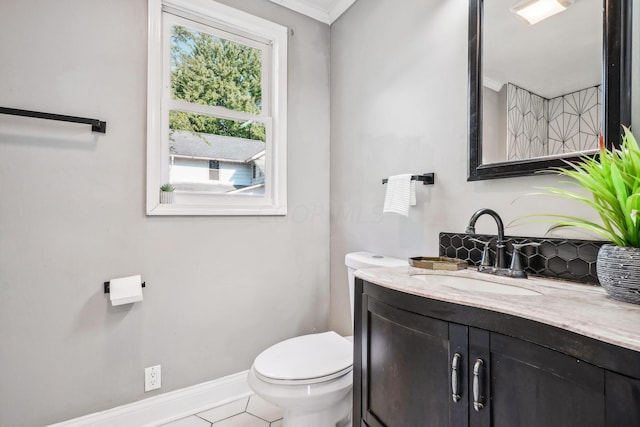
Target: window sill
(208,210)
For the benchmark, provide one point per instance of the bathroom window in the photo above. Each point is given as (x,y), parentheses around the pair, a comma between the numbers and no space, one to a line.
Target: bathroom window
(216,120)
(214,170)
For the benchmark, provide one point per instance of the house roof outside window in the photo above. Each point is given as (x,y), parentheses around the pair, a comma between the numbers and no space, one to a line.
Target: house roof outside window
(214,147)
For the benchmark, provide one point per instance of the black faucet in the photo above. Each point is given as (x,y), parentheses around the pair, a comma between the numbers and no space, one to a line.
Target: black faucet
(501,247)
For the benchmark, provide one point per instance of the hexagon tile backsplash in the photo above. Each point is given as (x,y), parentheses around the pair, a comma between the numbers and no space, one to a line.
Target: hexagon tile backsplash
(567,259)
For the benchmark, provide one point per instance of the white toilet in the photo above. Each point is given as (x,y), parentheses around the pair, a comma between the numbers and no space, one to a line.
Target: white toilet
(310,376)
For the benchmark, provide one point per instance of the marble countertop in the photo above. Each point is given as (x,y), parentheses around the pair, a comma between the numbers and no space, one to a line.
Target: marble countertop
(583,309)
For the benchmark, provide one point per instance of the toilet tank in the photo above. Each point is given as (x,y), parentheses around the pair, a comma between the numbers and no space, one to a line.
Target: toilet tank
(358,260)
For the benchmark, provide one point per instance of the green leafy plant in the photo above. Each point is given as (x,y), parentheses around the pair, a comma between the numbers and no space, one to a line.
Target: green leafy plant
(167,187)
(613,179)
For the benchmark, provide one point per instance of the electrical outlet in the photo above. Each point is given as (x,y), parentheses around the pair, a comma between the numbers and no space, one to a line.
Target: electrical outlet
(152,378)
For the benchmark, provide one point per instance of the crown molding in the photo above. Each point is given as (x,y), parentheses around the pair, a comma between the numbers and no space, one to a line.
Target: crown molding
(306,8)
(312,10)
(492,84)
(339,8)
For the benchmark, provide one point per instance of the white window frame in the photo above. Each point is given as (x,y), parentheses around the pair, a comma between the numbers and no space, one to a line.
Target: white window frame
(231,24)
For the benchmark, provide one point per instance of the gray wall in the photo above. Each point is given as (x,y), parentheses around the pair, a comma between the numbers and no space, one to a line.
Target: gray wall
(399,104)
(494,124)
(219,289)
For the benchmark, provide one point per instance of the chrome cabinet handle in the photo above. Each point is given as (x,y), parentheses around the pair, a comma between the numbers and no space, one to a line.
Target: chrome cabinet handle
(477,378)
(455,377)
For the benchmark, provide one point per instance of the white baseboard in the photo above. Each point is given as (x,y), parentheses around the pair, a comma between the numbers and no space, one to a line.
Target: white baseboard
(169,406)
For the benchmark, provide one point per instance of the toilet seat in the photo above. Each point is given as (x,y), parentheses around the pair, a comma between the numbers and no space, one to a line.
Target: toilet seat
(307,359)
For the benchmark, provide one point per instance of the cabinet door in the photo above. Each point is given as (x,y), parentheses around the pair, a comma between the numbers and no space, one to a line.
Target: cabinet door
(623,400)
(532,386)
(405,380)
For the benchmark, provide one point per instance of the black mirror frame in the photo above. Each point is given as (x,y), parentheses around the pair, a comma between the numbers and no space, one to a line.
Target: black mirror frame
(616,91)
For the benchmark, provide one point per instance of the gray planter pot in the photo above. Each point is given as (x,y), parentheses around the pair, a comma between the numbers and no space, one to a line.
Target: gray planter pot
(619,272)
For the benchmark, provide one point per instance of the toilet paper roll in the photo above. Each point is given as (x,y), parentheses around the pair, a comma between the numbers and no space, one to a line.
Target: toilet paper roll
(125,290)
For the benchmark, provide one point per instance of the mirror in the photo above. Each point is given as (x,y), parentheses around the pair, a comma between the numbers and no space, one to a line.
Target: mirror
(539,94)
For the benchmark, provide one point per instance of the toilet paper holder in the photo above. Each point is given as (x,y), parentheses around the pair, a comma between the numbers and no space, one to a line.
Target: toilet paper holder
(108,290)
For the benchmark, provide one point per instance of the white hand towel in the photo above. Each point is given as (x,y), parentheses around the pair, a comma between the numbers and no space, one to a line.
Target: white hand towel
(401,193)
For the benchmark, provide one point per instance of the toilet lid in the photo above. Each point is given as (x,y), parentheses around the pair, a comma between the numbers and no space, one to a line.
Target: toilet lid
(318,357)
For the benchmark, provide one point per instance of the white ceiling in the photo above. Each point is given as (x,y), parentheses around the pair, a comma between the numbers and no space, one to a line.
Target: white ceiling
(559,55)
(556,56)
(325,11)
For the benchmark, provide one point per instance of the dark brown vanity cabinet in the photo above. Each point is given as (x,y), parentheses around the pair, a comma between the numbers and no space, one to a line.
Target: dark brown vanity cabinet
(421,362)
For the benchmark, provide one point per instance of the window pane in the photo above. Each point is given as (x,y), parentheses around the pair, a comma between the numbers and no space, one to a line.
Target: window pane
(216,155)
(209,70)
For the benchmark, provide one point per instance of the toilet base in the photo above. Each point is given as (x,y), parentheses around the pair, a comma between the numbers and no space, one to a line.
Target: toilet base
(339,415)
(323,404)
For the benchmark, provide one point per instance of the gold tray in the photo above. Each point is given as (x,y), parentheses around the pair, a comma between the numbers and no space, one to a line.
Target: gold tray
(438,263)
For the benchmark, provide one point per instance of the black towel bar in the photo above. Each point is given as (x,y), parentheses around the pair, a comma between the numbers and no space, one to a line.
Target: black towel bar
(96,125)
(425,178)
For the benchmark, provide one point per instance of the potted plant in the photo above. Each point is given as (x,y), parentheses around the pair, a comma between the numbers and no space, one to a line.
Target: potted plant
(166,193)
(613,179)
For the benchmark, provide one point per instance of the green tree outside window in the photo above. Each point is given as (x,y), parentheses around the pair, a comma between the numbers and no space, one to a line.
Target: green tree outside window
(212,71)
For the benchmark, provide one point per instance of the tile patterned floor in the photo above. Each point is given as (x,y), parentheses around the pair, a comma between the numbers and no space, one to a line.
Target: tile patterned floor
(252,411)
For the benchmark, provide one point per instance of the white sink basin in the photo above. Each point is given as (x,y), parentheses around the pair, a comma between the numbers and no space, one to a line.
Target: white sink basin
(474,285)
